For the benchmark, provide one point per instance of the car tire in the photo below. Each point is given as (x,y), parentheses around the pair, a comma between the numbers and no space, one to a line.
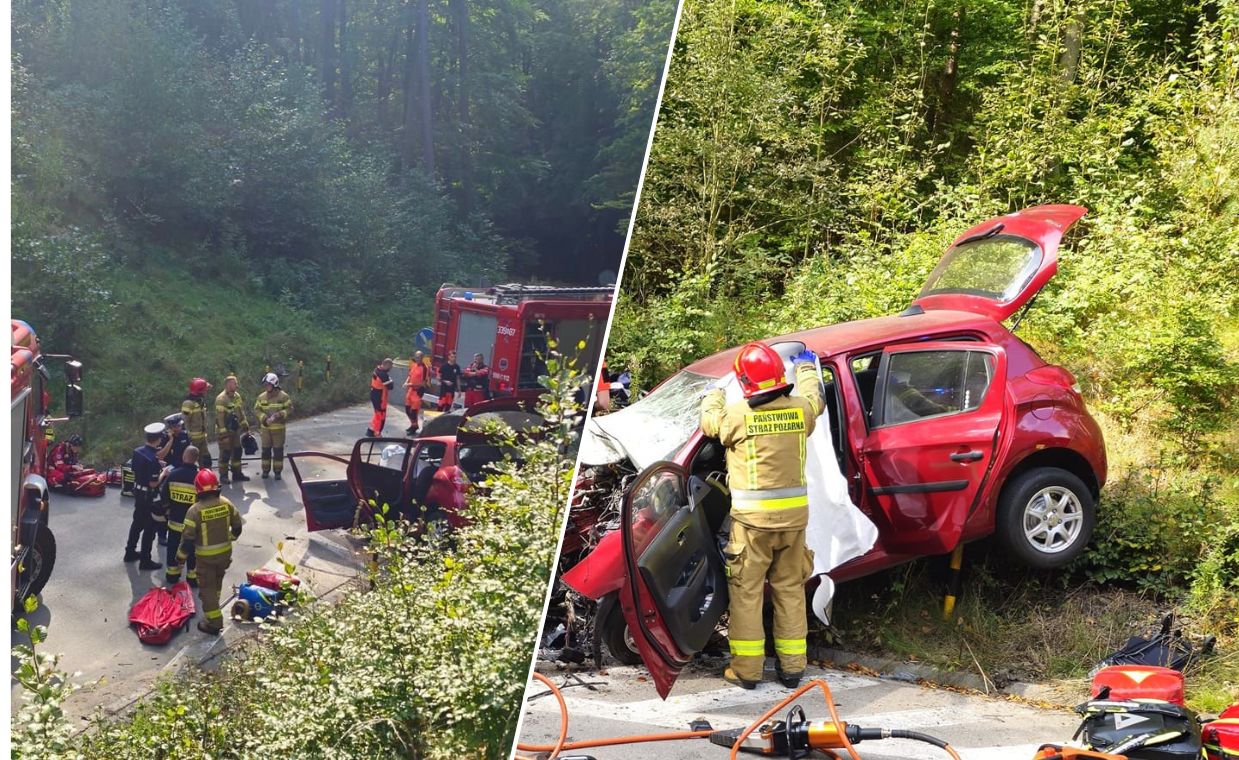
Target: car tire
(615,636)
(41,560)
(1046,517)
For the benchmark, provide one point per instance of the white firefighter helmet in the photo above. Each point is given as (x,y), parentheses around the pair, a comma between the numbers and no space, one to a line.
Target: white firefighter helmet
(271,379)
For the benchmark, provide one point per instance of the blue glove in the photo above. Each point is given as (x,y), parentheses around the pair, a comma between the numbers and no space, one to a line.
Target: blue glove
(805,356)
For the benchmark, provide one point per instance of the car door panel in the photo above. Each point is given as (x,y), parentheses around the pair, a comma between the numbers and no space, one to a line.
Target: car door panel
(675,588)
(923,476)
(377,479)
(329,501)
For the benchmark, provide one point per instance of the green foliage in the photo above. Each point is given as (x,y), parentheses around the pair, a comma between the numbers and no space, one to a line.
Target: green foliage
(431,662)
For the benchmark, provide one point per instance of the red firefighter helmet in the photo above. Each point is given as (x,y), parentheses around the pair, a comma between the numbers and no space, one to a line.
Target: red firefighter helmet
(198,386)
(206,480)
(759,369)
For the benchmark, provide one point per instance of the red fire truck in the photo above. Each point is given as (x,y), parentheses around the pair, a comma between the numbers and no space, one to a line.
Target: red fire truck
(34,546)
(510,325)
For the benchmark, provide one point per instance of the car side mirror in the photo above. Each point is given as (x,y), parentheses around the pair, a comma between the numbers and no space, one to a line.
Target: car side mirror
(74,404)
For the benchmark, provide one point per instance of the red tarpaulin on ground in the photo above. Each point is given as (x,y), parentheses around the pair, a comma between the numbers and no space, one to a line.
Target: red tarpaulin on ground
(161,612)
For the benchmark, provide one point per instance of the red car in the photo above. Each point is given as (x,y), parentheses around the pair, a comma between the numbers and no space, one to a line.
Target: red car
(427,478)
(946,426)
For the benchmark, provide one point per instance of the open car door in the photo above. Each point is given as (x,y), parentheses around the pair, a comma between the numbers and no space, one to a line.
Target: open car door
(675,583)
(326,494)
(937,414)
(999,266)
(378,473)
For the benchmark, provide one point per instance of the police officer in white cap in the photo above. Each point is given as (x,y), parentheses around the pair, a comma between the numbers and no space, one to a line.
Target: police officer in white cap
(146,473)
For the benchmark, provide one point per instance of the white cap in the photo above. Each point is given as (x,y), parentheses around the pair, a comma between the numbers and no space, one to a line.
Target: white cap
(271,378)
(155,428)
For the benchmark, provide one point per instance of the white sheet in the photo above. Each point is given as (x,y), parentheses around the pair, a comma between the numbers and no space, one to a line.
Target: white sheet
(838,531)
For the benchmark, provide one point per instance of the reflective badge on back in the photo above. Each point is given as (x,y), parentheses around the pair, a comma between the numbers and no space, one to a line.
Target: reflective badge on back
(774,421)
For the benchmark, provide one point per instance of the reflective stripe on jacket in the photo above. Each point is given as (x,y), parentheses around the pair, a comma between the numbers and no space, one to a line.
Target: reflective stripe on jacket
(766,451)
(281,405)
(224,406)
(211,524)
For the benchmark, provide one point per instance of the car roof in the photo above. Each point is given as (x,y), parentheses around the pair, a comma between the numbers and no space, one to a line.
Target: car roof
(862,333)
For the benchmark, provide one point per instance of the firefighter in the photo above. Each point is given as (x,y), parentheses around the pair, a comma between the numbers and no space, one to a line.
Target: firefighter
(194,409)
(211,525)
(765,435)
(415,386)
(380,386)
(230,425)
(272,409)
(146,472)
(476,380)
(449,379)
(180,496)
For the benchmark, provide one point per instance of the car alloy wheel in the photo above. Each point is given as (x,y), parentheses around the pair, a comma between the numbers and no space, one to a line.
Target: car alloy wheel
(1053,519)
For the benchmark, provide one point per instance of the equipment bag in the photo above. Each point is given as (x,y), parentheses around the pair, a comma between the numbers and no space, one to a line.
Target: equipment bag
(126,479)
(1221,737)
(249,444)
(87,483)
(1146,730)
(1167,649)
(1118,683)
(161,612)
(274,580)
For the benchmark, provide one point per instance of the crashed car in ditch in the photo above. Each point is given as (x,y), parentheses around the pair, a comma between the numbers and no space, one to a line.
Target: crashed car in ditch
(427,478)
(945,427)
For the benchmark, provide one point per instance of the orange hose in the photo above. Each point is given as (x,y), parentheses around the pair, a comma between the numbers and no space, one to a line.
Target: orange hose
(562,744)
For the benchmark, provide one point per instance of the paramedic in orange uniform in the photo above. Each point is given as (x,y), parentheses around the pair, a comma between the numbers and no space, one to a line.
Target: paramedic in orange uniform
(415,385)
(380,385)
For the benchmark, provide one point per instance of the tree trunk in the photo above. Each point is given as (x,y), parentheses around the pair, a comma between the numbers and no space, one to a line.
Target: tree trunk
(460,15)
(1073,40)
(421,70)
(327,19)
(345,102)
(950,72)
(382,90)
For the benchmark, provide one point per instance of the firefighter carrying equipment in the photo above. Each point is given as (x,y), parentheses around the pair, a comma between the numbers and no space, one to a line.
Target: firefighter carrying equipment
(211,525)
(769,509)
(194,410)
(837,530)
(230,423)
(272,409)
(380,386)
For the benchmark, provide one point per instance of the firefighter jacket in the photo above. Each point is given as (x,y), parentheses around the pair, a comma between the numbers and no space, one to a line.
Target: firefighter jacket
(210,526)
(230,413)
(181,494)
(281,405)
(194,408)
(766,452)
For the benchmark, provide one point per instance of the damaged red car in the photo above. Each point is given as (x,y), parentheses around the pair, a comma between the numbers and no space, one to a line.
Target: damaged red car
(425,478)
(947,427)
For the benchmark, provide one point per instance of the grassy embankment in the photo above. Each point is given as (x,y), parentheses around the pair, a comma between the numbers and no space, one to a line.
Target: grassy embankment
(168,327)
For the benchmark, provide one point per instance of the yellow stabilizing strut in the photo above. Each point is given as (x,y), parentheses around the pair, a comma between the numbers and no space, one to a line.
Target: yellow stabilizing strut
(957,562)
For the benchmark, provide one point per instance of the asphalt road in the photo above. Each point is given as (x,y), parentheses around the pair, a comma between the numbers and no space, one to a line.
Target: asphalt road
(621,701)
(86,603)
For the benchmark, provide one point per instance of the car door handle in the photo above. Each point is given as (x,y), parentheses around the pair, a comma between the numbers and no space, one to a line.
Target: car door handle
(967,456)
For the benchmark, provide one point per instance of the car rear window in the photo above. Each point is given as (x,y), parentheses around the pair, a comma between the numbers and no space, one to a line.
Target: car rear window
(998,267)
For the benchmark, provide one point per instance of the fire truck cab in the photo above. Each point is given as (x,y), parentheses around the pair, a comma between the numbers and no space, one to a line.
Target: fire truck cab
(34,546)
(512,326)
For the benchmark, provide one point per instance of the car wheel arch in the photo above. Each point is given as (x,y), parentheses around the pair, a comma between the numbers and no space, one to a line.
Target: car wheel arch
(1058,457)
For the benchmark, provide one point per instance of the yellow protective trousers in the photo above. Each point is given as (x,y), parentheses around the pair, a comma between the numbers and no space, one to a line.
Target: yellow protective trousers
(753,556)
(272,448)
(229,453)
(210,586)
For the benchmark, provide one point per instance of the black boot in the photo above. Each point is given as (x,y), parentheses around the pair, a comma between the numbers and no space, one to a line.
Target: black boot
(789,680)
(132,555)
(148,564)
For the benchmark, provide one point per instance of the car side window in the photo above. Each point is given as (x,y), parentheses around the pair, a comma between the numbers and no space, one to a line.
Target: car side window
(922,384)
(865,373)
(429,455)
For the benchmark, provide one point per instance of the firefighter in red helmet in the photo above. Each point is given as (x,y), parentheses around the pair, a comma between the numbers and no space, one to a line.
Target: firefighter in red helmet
(210,527)
(765,435)
(194,409)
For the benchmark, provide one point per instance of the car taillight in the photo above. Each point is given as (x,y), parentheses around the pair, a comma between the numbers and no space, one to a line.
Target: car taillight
(1052,375)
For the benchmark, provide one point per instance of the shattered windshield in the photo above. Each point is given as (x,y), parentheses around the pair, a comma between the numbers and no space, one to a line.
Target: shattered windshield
(998,267)
(654,428)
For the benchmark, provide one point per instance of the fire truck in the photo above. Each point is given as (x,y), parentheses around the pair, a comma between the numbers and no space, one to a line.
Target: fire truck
(34,546)
(512,326)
